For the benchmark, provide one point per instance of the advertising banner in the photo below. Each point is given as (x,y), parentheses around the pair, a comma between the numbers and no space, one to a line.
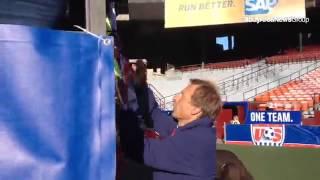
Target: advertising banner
(183,13)
(274,117)
(273,135)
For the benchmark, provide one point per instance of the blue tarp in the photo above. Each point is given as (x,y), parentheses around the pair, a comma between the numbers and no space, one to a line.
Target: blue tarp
(56,105)
(47,13)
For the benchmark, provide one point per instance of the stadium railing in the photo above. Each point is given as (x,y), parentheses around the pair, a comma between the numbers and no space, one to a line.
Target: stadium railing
(229,85)
(219,65)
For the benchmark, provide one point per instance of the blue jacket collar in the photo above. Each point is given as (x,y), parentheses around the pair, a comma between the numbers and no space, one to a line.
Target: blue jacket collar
(204,122)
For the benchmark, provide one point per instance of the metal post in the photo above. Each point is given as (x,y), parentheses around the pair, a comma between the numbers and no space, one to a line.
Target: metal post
(96,16)
(230,42)
(300,41)
(224,87)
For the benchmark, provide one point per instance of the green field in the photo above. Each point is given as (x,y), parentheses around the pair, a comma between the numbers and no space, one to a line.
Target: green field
(271,163)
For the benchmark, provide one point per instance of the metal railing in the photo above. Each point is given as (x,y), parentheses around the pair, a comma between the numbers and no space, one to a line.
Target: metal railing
(264,71)
(235,83)
(248,95)
(253,67)
(169,101)
(158,96)
(208,66)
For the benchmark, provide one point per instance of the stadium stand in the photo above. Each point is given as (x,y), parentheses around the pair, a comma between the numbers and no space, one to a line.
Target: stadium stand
(301,94)
(311,54)
(236,84)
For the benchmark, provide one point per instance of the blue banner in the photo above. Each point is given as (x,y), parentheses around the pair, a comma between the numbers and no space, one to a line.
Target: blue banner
(57,112)
(274,117)
(273,135)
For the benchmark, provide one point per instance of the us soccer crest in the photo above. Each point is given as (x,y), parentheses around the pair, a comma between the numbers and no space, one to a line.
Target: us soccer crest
(267,134)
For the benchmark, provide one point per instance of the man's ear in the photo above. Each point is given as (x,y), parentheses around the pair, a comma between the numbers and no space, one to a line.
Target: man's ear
(196,111)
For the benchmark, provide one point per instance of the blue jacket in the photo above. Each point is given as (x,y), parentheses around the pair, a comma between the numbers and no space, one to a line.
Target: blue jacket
(187,154)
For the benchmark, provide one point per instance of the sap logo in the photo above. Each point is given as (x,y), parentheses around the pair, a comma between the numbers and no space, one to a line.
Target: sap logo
(253,7)
(267,134)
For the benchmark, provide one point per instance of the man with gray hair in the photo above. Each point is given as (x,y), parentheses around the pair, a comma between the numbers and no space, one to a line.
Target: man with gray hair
(186,145)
